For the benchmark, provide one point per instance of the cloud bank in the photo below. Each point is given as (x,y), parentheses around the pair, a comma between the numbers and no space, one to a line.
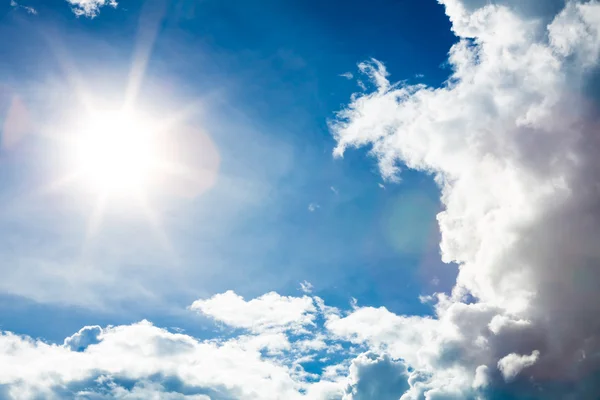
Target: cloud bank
(287,353)
(512,140)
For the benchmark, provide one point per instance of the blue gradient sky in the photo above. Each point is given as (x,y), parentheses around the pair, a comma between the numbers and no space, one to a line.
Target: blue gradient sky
(267,76)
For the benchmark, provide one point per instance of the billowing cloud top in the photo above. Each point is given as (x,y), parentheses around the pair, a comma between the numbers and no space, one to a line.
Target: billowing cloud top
(512,139)
(265,360)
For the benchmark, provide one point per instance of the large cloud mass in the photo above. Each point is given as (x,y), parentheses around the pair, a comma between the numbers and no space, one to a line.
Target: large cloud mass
(142,361)
(512,139)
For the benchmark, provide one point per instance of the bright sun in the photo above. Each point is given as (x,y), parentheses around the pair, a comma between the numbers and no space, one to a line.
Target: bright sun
(125,158)
(117,153)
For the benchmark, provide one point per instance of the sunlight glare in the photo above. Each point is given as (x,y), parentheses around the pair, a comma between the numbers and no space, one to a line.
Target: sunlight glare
(117,154)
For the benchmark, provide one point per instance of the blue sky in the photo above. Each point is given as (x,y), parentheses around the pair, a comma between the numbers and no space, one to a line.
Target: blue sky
(344,162)
(268,77)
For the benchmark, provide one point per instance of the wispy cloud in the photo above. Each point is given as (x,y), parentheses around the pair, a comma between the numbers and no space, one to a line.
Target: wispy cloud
(29,10)
(312,207)
(306,287)
(347,75)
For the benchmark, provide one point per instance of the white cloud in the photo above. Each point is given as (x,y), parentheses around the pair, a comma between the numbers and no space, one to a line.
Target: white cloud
(378,355)
(512,364)
(312,207)
(334,190)
(90,8)
(86,336)
(347,75)
(481,379)
(511,140)
(383,330)
(139,352)
(376,377)
(266,313)
(143,361)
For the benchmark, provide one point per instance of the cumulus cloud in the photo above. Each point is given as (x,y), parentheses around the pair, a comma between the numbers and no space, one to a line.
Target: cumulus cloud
(361,353)
(144,361)
(86,336)
(513,364)
(511,139)
(378,377)
(266,313)
(481,379)
(90,8)
(148,355)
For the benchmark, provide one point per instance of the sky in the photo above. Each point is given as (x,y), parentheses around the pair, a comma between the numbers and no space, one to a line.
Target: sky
(299,199)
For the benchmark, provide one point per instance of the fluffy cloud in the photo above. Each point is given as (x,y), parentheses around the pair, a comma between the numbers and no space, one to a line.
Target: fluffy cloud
(513,364)
(86,336)
(512,141)
(376,377)
(362,353)
(144,361)
(141,358)
(90,8)
(266,313)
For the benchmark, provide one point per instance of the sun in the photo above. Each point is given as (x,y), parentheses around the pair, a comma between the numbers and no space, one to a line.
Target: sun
(116,153)
(121,158)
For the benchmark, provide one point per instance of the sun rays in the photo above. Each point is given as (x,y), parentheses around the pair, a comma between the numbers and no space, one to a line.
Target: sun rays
(126,149)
